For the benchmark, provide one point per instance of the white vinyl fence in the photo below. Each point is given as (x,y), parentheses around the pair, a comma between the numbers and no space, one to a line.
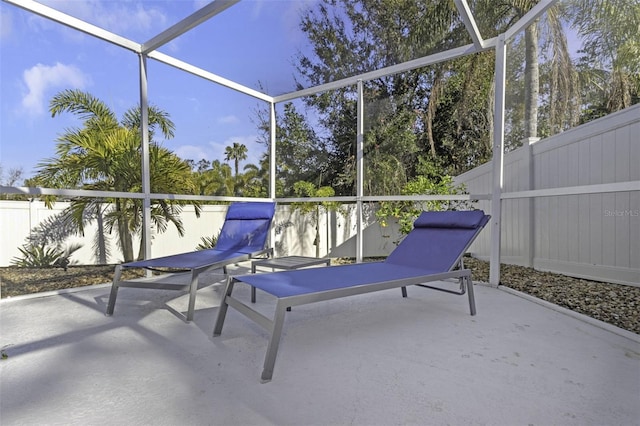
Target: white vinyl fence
(293,234)
(585,234)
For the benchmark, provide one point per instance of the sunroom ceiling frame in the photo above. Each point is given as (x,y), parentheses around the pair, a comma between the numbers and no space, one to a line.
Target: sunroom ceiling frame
(387,71)
(174,31)
(149,50)
(217,6)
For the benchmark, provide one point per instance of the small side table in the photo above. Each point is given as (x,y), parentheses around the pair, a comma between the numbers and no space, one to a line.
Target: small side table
(286,263)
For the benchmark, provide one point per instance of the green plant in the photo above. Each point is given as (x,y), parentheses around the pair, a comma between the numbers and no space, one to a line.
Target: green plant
(208,242)
(38,256)
(406,212)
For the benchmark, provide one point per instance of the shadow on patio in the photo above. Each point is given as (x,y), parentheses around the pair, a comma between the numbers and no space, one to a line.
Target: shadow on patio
(367,360)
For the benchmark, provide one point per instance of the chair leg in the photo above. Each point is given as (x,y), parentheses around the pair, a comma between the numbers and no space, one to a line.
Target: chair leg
(472,299)
(193,288)
(114,290)
(222,311)
(274,341)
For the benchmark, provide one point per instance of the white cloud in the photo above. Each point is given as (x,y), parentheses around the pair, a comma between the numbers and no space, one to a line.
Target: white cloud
(124,19)
(6,24)
(228,119)
(41,79)
(192,152)
(120,18)
(257,9)
(199,4)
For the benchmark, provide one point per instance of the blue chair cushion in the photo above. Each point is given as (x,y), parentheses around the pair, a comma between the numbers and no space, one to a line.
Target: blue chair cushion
(250,210)
(451,219)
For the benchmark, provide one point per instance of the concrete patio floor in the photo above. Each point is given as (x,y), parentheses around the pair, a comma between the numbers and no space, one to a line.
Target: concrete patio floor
(375,359)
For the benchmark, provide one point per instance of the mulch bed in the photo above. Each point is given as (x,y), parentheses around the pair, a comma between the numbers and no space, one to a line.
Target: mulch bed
(612,303)
(16,281)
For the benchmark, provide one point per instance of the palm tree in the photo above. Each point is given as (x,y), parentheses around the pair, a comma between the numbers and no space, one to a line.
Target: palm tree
(255,182)
(544,34)
(105,155)
(237,153)
(609,61)
(217,180)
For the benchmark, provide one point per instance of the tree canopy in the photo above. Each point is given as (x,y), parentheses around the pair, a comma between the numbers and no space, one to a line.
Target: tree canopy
(442,115)
(104,154)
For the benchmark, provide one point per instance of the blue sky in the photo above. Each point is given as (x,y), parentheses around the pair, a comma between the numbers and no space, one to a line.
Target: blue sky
(252,43)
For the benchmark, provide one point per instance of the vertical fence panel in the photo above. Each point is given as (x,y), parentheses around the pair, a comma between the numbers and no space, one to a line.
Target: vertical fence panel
(14,227)
(594,236)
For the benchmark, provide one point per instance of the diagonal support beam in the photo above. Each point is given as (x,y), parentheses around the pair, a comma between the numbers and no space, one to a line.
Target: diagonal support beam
(469,23)
(533,14)
(166,59)
(387,71)
(191,21)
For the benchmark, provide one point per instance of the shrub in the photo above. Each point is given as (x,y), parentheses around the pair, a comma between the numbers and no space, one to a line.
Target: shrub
(38,256)
(208,242)
(406,212)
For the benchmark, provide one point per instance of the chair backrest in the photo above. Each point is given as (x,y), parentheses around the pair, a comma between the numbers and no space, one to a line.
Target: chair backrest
(439,239)
(246,227)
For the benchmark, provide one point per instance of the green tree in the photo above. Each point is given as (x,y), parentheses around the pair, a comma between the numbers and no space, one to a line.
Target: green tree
(105,155)
(11,178)
(401,111)
(237,152)
(301,154)
(544,79)
(200,166)
(610,60)
(256,179)
(215,178)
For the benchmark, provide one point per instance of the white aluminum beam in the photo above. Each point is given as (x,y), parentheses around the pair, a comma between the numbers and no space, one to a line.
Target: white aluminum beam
(534,13)
(470,23)
(273,126)
(166,59)
(461,197)
(192,21)
(37,191)
(603,188)
(75,23)
(393,69)
(344,199)
(146,170)
(185,197)
(359,171)
(498,159)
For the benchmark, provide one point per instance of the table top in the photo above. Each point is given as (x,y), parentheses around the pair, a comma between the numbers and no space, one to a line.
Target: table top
(290,262)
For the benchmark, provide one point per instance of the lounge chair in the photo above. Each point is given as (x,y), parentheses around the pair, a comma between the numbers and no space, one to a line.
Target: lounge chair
(432,251)
(242,237)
